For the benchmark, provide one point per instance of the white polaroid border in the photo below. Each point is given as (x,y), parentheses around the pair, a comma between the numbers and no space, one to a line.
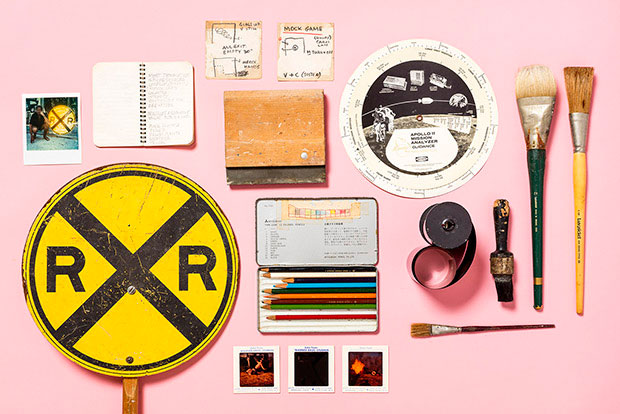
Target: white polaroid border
(346,349)
(291,368)
(237,388)
(42,157)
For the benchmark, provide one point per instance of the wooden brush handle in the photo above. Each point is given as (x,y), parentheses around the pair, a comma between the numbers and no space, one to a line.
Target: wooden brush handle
(503,327)
(536,168)
(579,189)
(130,395)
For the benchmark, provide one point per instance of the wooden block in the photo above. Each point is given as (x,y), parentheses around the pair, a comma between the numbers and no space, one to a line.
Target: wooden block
(282,128)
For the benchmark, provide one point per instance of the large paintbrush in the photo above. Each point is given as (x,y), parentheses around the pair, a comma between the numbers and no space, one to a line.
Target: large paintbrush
(424,330)
(579,93)
(535,91)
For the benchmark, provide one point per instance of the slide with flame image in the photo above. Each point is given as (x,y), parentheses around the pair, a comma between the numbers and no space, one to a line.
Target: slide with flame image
(365,369)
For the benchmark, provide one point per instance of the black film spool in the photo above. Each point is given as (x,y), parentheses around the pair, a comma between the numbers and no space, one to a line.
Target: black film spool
(448,227)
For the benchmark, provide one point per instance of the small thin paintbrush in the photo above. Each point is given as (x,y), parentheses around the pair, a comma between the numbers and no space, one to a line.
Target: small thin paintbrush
(424,330)
(535,91)
(579,93)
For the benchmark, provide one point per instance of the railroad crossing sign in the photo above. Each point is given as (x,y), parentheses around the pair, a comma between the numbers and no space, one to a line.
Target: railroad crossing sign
(62,119)
(130,269)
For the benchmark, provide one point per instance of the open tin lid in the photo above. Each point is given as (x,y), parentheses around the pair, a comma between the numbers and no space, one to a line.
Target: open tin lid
(317,232)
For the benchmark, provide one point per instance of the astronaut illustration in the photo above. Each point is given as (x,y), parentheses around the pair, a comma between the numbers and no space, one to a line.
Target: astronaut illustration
(383,122)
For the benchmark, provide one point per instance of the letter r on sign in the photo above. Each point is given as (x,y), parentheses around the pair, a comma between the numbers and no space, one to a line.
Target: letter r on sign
(203,269)
(73,270)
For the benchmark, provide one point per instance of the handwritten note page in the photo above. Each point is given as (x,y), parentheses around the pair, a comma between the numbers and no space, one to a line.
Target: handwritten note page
(143,104)
(305,51)
(233,50)
(169,103)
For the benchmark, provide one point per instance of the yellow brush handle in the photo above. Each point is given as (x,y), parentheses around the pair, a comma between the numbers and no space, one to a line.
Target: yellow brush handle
(579,188)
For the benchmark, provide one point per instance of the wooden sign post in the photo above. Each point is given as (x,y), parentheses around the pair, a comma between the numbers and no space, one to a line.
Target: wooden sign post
(130,270)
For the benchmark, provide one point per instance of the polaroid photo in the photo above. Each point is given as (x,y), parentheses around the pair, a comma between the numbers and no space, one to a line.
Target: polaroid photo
(310,369)
(51,128)
(256,369)
(365,368)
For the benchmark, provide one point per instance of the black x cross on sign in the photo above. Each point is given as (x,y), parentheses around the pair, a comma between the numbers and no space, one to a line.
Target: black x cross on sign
(131,270)
(60,120)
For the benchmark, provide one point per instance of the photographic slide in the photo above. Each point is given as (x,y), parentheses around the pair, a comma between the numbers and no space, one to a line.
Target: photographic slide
(365,369)
(311,369)
(256,369)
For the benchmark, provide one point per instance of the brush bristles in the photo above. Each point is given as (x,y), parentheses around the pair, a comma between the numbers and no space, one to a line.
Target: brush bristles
(535,80)
(579,88)
(420,330)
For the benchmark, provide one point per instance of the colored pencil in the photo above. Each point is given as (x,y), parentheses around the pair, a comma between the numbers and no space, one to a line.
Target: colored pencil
(321,269)
(322,290)
(335,279)
(324,296)
(322,316)
(325,285)
(316,301)
(323,306)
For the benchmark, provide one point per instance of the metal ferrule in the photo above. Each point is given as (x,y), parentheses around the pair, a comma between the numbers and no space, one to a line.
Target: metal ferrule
(579,130)
(503,265)
(444,330)
(536,113)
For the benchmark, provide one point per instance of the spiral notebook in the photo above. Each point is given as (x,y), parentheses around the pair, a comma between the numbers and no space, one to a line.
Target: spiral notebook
(143,104)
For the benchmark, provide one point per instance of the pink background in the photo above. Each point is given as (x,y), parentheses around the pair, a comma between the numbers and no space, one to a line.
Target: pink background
(52,47)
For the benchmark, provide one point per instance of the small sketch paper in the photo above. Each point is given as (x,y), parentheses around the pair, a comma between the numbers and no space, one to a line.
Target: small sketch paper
(233,50)
(305,51)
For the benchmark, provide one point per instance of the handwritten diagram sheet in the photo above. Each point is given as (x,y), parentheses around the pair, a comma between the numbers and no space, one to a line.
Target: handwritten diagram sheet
(233,50)
(305,51)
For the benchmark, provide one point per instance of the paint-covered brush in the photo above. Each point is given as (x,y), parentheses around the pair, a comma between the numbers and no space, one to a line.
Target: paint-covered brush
(535,91)
(502,260)
(579,93)
(424,330)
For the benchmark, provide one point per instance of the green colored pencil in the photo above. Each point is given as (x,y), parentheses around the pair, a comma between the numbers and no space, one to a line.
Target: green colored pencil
(321,290)
(323,306)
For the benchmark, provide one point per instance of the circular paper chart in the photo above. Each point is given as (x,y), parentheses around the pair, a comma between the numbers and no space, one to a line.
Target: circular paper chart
(418,118)
(130,269)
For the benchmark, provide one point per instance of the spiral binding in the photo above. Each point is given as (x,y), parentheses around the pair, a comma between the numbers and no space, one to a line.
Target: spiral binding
(142,73)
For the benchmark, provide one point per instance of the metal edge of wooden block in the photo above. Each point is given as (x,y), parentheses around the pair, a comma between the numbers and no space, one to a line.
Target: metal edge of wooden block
(275,175)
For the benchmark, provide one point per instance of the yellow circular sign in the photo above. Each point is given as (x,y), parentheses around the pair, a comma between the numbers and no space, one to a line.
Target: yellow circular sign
(130,269)
(62,119)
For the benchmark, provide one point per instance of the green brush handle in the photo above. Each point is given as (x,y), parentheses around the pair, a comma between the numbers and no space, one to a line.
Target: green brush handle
(536,168)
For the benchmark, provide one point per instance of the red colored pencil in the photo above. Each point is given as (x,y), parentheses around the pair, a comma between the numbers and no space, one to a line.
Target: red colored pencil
(326,316)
